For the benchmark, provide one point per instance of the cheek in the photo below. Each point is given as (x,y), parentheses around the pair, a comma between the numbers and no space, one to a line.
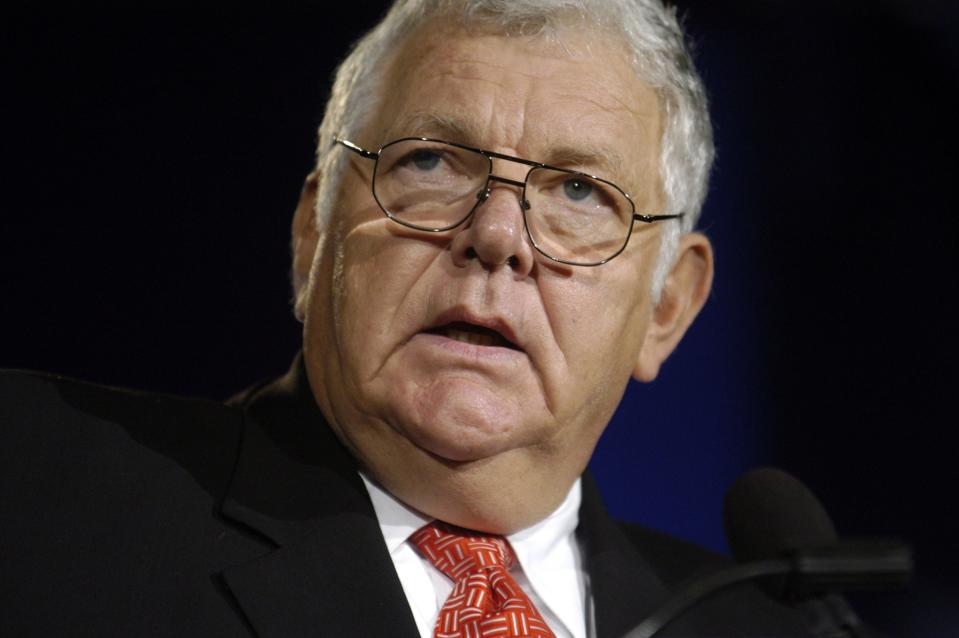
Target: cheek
(376,292)
(599,327)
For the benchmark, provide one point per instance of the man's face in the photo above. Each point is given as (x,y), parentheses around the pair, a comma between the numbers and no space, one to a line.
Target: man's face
(456,363)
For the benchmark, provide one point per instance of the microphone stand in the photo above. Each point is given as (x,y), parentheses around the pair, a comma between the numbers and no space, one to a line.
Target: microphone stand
(700,588)
(809,580)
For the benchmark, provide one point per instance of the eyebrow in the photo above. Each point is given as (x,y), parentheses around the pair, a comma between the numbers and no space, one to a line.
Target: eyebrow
(608,160)
(461,129)
(464,129)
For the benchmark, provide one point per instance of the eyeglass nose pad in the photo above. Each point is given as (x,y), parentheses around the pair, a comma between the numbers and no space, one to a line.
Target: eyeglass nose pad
(483,195)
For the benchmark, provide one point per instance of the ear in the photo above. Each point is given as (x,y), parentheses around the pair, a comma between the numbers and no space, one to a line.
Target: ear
(684,292)
(306,236)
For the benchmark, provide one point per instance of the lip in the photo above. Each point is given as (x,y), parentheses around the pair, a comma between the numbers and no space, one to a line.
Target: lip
(468,350)
(464,315)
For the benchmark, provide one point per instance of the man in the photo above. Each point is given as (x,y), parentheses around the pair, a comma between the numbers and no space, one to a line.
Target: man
(497,236)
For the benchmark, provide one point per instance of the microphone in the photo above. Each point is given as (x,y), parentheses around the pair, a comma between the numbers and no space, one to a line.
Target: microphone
(785,540)
(768,514)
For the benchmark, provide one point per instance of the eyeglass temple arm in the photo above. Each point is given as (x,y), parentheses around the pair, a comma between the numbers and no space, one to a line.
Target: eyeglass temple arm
(656,218)
(356,149)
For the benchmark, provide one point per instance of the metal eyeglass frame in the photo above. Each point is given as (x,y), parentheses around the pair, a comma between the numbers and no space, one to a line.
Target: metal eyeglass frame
(485,192)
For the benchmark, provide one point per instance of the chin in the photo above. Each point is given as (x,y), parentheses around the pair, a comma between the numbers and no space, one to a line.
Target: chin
(460,422)
(459,441)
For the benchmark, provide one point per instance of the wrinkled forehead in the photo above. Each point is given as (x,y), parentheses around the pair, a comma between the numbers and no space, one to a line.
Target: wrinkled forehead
(574,95)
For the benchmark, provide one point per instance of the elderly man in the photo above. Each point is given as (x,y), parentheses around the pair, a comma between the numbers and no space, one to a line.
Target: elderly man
(497,236)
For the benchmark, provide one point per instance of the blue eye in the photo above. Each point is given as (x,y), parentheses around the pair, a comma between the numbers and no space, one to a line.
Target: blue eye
(425,160)
(577,190)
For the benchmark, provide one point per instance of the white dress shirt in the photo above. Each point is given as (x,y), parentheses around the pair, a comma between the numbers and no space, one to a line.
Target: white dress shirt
(550,567)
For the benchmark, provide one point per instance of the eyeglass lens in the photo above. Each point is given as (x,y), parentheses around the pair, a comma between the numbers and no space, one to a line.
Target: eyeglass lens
(434,186)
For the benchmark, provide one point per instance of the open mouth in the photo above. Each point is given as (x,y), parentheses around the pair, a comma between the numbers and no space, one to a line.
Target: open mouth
(473,335)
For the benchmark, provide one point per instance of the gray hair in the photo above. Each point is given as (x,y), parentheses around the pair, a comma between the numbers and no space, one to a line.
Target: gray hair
(658,51)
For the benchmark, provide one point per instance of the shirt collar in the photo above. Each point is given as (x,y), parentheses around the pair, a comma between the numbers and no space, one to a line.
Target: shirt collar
(546,551)
(549,556)
(532,545)
(397,520)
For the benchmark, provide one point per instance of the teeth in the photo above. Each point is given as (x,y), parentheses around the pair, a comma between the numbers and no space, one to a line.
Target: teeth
(472,338)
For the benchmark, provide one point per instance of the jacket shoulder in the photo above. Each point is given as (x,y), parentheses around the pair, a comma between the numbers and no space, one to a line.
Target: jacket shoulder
(110,506)
(672,558)
(50,418)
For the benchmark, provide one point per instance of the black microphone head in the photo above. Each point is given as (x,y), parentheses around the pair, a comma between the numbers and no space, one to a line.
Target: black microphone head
(768,512)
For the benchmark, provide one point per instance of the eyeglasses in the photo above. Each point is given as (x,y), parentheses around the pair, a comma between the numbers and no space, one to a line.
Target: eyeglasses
(569,216)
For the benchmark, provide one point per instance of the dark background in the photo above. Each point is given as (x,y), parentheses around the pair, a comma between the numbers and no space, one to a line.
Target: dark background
(152,159)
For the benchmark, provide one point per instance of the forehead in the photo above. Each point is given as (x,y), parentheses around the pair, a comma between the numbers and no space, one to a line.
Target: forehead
(578,97)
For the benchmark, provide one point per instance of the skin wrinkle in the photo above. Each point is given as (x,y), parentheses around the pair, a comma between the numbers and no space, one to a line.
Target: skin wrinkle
(535,274)
(397,308)
(603,29)
(629,179)
(488,291)
(468,132)
(541,376)
(441,431)
(549,316)
(397,230)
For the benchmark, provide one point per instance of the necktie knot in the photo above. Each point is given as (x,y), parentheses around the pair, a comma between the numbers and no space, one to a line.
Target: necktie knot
(456,551)
(485,600)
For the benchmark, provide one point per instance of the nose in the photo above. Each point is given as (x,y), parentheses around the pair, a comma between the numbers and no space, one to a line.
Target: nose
(495,233)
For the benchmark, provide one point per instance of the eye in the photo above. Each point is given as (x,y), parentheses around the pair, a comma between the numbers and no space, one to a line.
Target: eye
(425,159)
(577,189)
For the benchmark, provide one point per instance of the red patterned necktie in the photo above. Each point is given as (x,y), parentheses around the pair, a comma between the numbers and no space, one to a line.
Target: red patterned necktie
(485,600)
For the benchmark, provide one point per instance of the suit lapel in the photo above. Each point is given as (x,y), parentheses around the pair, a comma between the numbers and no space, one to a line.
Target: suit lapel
(329,573)
(327,584)
(624,587)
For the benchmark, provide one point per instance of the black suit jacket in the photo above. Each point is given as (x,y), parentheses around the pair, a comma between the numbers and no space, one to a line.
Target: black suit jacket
(132,514)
